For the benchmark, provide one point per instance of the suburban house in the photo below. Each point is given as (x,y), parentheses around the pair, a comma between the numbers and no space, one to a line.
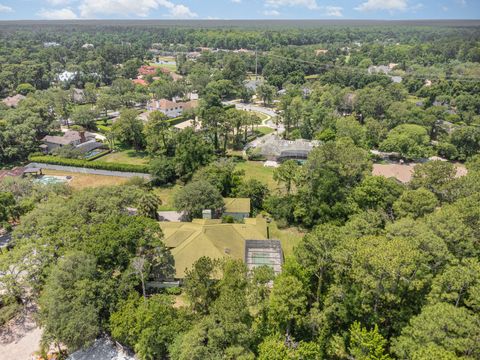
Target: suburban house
(238,208)
(171,108)
(274,149)
(82,140)
(145,70)
(189,241)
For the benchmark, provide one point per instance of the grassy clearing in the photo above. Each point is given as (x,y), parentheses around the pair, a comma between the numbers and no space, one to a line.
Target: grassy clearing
(130,156)
(264,130)
(289,237)
(171,67)
(262,116)
(256,170)
(82,181)
(167,194)
(166,58)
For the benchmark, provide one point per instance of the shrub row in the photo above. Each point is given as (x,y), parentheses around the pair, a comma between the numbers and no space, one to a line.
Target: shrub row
(177,120)
(101,165)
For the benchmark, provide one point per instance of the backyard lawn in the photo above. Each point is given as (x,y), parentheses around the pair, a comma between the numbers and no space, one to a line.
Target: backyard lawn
(289,237)
(130,156)
(264,130)
(166,194)
(81,181)
(256,170)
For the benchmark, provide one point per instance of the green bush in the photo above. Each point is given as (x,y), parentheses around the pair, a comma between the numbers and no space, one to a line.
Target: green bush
(177,120)
(8,309)
(173,290)
(48,159)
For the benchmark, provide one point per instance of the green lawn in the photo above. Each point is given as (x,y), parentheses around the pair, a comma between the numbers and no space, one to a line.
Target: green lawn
(166,66)
(289,237)
(262,116)
(256,170)
(264,130)
(166,194)
(169,67)
(126,157)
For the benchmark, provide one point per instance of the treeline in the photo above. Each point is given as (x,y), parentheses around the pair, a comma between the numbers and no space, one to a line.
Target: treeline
(397,278)
(25,58)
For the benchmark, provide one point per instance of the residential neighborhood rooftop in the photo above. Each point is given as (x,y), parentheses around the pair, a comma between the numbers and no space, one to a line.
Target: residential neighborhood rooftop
(189,241)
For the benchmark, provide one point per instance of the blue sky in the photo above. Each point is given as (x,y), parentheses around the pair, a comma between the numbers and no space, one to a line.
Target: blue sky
(239,9)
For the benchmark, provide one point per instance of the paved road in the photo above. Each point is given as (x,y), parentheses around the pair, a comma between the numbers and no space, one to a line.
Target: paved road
(89,171)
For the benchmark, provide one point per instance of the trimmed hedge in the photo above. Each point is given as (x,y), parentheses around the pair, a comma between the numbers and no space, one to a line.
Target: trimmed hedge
(177,120)
(101,165)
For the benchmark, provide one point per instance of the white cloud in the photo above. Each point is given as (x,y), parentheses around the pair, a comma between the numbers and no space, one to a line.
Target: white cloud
(389,5)
(59,2)
(141,8)
(236,1)
(462,3)
(181,12)
(335,11)
(57,14)
(5,9)
(271,13)
(310,4)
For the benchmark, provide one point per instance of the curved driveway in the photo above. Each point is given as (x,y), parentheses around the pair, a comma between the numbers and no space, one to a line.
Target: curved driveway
(261,109)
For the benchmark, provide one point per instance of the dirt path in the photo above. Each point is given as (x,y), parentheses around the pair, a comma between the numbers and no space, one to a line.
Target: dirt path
(20,338)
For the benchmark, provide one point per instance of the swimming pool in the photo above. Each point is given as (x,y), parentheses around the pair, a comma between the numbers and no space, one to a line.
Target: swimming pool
(93,153)
(50,179)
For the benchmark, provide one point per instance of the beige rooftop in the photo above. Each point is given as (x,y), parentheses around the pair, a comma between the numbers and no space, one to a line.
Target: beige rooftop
(189,241)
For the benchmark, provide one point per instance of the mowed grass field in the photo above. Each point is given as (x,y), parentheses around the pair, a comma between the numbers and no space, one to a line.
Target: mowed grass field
(132,157)
(289,237)
(256,170)
(82,181)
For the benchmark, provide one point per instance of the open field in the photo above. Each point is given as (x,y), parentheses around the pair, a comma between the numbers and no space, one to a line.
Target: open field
(264,130)
(289,237)
(166,194)
(171,67)
(126,157)
(256,170)
(81,181)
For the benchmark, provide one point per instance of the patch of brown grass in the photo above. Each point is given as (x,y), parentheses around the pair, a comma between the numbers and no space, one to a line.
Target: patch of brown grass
(81,181)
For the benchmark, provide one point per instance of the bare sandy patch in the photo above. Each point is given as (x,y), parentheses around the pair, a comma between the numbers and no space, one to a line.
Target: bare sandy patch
(20,337)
